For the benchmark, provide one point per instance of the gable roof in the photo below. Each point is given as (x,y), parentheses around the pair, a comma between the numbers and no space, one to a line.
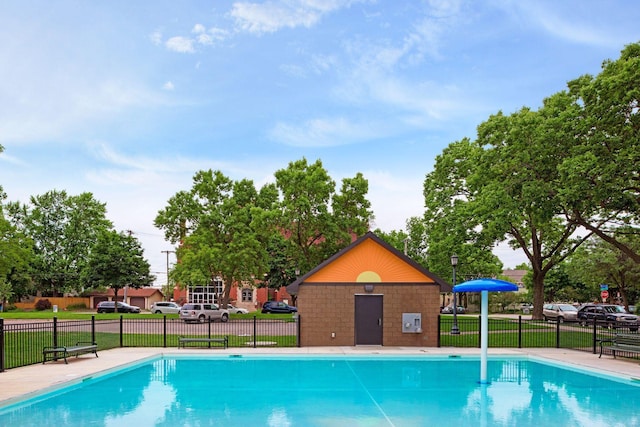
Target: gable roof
(369,259)
(131,292)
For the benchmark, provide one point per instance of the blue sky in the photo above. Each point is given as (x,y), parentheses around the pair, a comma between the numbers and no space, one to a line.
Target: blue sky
(128,100)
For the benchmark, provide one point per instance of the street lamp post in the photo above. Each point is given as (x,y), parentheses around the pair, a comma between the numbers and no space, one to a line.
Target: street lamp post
(454,327)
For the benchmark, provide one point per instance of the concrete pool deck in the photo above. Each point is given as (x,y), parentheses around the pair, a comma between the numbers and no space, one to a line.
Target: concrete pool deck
(20,383)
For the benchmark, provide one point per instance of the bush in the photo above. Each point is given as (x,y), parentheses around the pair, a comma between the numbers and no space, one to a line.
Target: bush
(43,304)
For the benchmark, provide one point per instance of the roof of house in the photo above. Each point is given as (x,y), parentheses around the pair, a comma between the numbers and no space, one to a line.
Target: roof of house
(514,275)
(131,292)
(369,259)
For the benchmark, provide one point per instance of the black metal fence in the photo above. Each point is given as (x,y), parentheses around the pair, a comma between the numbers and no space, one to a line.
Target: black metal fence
(21,344)
(521,333)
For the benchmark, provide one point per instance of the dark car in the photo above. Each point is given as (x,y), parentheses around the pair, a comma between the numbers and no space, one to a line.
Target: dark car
(109,307)
(278,307)
(613,316)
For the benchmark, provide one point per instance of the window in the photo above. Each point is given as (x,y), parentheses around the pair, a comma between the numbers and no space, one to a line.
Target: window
(247,295)
(210,293)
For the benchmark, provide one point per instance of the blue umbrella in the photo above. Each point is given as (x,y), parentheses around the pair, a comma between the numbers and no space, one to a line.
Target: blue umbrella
(484,286)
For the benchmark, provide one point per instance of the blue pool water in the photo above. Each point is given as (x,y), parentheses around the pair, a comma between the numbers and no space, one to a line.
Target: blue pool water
(335,391)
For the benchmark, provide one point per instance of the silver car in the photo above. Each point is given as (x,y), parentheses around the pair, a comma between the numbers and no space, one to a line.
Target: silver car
(236,310)
(560,312)
(165,307)
(197,312)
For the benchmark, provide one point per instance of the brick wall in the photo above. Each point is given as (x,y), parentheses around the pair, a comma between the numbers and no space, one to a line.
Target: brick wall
(329,308)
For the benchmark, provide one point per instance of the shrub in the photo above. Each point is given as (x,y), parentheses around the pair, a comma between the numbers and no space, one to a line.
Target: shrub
(43,304)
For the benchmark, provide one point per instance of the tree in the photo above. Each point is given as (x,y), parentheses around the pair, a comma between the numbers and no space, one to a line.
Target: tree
(16,258)
(218,224)
(116,260)
(505,185)
(599,262)
(600,182)
(450,225)
(63,230)
(316,221)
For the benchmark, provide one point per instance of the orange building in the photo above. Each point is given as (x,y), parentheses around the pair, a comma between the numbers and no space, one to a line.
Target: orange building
(369,293)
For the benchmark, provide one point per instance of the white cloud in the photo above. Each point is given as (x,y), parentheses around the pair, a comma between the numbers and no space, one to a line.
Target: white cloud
(568,24)
(271,16)
(198,29)
(11,159)
(156,37)
(168,86)
(324,132)
(180,44)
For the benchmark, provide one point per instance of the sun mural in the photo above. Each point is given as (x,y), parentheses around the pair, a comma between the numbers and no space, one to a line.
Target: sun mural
(369,277)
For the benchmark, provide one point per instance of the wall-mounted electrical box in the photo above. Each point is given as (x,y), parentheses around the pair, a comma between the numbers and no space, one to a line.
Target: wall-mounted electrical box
(411,323)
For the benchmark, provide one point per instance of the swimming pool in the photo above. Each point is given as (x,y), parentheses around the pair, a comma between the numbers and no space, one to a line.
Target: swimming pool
(335,391)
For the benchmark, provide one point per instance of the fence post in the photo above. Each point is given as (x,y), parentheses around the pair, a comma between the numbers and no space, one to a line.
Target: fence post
(93,329)
(298,329)
(557,332)
(55,331)
(439,330)
(595,334)
(164,330)
(255,327)
(519,331)
(121,331)
(1,344)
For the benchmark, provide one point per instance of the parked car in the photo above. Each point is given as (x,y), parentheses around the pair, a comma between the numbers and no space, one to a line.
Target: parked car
(560,312)
(449,310)
(614,316)
(165,307)
(110,307)
(278,307)
(196,312)
(236,310)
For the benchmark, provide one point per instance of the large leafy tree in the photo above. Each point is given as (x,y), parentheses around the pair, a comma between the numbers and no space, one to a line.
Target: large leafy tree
(63,229)
(504,186)
(219,226)
(450,225)
(316,220)
(116,260)
(601,179)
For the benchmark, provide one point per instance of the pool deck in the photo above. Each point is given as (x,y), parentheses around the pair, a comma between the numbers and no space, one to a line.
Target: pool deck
(19,383)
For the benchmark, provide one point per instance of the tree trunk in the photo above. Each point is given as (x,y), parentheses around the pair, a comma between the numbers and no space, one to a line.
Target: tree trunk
(538,294)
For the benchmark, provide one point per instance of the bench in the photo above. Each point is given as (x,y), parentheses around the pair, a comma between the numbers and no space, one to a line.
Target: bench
(54,353)
(186,340)
(621,342)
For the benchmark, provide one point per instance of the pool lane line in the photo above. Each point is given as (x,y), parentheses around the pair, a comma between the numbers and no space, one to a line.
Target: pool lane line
(366,390)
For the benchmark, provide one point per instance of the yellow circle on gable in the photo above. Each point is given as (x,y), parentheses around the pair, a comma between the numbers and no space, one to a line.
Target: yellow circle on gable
(368,276)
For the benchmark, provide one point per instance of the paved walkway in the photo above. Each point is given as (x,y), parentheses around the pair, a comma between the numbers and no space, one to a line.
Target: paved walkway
(23,382)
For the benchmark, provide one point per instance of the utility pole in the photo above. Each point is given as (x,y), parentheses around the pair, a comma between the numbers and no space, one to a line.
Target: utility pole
(168,252)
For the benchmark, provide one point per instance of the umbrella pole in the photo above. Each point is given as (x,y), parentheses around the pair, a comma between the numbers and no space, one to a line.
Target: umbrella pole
(484,335)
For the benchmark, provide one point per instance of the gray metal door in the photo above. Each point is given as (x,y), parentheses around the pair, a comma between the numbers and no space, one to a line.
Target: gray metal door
(368,312)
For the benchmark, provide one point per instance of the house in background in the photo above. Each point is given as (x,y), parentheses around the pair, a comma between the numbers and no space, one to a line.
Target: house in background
(143,297)
(516,276)
(369,293)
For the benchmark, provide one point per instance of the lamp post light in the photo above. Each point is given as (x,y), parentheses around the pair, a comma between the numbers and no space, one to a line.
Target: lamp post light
(454,327)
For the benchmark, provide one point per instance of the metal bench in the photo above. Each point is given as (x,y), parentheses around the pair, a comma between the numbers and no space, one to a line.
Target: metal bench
(629,343)
(183,341)
(54,353)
